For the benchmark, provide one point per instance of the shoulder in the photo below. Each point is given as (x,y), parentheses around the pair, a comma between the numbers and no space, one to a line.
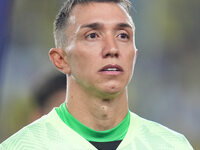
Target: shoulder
(157,134)
(31,133)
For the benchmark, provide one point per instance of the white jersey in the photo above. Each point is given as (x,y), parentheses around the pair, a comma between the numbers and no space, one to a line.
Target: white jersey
(51,133)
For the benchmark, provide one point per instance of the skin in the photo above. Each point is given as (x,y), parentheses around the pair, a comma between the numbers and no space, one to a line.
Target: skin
(104,37)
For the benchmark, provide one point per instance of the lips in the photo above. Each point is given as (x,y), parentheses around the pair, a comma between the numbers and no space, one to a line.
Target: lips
(111,68)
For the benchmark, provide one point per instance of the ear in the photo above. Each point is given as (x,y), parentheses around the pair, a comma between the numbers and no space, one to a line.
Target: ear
(59,59)
(136,52)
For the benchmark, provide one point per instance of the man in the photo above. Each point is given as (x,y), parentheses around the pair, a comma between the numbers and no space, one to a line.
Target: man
(95,48)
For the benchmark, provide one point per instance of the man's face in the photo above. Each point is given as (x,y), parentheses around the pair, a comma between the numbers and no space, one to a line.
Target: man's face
(100,48)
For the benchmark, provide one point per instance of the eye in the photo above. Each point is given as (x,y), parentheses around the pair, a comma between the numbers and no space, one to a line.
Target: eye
(123,36)
(92,36)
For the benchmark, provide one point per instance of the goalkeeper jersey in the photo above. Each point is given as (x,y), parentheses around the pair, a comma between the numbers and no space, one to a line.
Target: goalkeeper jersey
(51,133)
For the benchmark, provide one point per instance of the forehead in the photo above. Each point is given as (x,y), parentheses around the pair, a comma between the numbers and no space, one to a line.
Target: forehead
(102,12)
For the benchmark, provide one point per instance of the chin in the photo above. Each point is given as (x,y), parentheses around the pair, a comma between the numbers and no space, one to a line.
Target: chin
(110,90)
(113,90)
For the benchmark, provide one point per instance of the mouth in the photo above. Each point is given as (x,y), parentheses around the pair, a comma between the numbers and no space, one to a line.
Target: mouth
(111,69)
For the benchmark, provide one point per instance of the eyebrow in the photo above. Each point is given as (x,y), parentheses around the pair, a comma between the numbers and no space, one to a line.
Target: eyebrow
(124,25)
(92,25)
(96,25)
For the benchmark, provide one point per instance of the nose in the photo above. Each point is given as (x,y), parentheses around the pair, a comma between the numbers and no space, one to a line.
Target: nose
(110,48)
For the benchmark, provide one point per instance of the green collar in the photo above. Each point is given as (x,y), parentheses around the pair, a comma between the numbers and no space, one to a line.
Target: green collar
(114,134)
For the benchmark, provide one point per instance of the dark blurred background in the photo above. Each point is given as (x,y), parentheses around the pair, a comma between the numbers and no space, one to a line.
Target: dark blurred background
(165,87)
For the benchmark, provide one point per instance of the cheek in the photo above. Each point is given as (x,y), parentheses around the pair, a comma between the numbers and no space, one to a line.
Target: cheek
(74,62)
(81,63)
(87,53)
(131,54)
(132,57)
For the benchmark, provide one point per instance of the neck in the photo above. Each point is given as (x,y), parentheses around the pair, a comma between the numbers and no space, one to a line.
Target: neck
(94,112)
